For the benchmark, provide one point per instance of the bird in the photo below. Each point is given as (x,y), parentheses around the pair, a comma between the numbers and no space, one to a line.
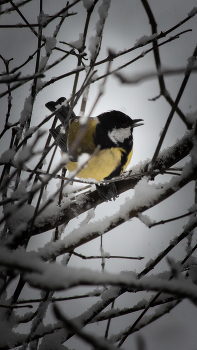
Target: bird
(110,132)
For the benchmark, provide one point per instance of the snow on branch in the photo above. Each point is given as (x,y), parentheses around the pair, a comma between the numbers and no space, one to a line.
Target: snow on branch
(91,231)
(98,343)
(7,79)
(166,159)
(57,277)
(141,305)
(96,40)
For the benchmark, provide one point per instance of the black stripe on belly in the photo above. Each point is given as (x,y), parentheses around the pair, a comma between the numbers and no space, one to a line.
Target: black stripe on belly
(119,168)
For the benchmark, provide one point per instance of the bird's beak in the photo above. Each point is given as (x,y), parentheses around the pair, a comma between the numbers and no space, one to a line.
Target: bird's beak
(136,122)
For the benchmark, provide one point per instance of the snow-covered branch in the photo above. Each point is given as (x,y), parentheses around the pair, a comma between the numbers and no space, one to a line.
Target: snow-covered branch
(67,212)
(56,277)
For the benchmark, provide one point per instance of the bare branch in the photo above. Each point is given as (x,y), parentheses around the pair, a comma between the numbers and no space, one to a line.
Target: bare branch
(179,95)
(98,343)
(150,75)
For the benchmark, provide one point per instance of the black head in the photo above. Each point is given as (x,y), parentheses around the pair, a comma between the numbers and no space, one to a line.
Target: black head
(115,129)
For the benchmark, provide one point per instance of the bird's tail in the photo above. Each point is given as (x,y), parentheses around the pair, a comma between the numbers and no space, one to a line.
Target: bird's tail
(59,133)
(60,137)
(62,113)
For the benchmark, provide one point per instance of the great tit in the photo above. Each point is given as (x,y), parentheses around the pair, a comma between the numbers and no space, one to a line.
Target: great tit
(112,131)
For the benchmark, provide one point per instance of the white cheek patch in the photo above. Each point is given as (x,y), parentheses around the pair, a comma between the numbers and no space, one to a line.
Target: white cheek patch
(119,135)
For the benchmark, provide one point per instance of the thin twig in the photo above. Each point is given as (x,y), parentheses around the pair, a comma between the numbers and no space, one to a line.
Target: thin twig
(18,4)
(61,12)
(98,343)
(163,90)
(138,78)
(152,301)
(19,25)
(114,313)
(14,239)
(149,319)
(179,95)
(23,17)
(107,257)
(109,321)
(15,306)
(80,69)
(162,222)
(87,295)
(6,125)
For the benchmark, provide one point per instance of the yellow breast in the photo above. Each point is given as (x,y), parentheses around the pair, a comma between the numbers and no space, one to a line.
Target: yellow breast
(99,166)
(103,163)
